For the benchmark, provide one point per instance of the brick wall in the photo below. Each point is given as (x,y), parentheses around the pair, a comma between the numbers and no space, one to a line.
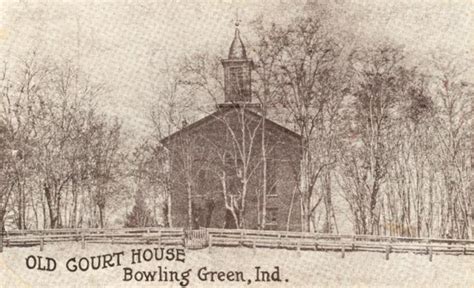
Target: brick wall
(206,144)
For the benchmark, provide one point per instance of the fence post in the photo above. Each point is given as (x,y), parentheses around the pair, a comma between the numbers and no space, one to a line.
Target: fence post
(207,236)
(315,242)
(147,236)
(83,241)
(430,249)
(185,236)
(210,242)
(387,252)
(1,232)
(42,242)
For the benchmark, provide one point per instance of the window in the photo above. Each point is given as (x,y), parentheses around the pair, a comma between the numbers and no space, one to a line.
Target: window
(238,85)
(237,79)
(234,174)
(200,178)
(202,174)
(272,216)
(271,178)
(202,182)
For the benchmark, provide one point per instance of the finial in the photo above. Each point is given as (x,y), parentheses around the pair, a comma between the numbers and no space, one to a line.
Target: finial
(237,20)
(237,48)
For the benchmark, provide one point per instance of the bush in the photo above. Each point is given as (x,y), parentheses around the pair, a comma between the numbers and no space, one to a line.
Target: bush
(140,216)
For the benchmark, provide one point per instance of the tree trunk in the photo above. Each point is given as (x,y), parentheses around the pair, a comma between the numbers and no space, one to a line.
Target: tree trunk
(265,183)
(168,212)
(43,208)
(304,187)
(190,206)
(373,218)
(21,207)
(101,216)
(471,188)
(328,203)
(35,212)
(2,227)
(290,209)
(49,202)
(73,220)
(58,222)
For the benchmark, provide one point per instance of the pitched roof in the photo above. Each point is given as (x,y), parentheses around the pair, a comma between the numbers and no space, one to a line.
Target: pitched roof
(222,112)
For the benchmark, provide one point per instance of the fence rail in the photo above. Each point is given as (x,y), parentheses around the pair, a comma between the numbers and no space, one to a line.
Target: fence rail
(212,237)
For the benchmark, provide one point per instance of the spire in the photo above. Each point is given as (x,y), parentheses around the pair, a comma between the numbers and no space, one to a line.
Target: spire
(237,48)
(237,71)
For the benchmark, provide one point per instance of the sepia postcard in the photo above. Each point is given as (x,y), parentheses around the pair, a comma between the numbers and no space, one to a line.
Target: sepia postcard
(236,143)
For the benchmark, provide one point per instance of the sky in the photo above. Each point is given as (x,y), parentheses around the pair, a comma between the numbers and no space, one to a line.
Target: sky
(121,43)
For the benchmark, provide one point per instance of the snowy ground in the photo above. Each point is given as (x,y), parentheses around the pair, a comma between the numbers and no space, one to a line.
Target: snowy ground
(309,269)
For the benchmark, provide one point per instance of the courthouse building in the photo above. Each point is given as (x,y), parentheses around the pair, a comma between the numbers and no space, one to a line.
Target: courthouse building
(217,166)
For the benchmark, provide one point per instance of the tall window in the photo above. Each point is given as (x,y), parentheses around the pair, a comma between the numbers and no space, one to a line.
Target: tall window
(271,178)
(234,174)
(201,180)
(272,218)
(237,80)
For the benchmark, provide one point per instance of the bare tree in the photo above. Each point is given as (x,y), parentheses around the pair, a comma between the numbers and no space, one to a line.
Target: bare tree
(406,199)
(452,96)
(106,160)
(312,91)
(172,111)
(265,53)
(50,115)
(6,187)
(237,157)
(20,89)
(379,75)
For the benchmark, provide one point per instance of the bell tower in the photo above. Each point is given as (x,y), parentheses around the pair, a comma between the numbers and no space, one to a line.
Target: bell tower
(237,72)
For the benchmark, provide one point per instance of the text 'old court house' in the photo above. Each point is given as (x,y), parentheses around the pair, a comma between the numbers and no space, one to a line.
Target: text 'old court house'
(218,163)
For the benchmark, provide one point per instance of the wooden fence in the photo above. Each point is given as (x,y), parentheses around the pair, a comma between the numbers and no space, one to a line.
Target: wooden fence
(160,236)
(211,237)
(342,243)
